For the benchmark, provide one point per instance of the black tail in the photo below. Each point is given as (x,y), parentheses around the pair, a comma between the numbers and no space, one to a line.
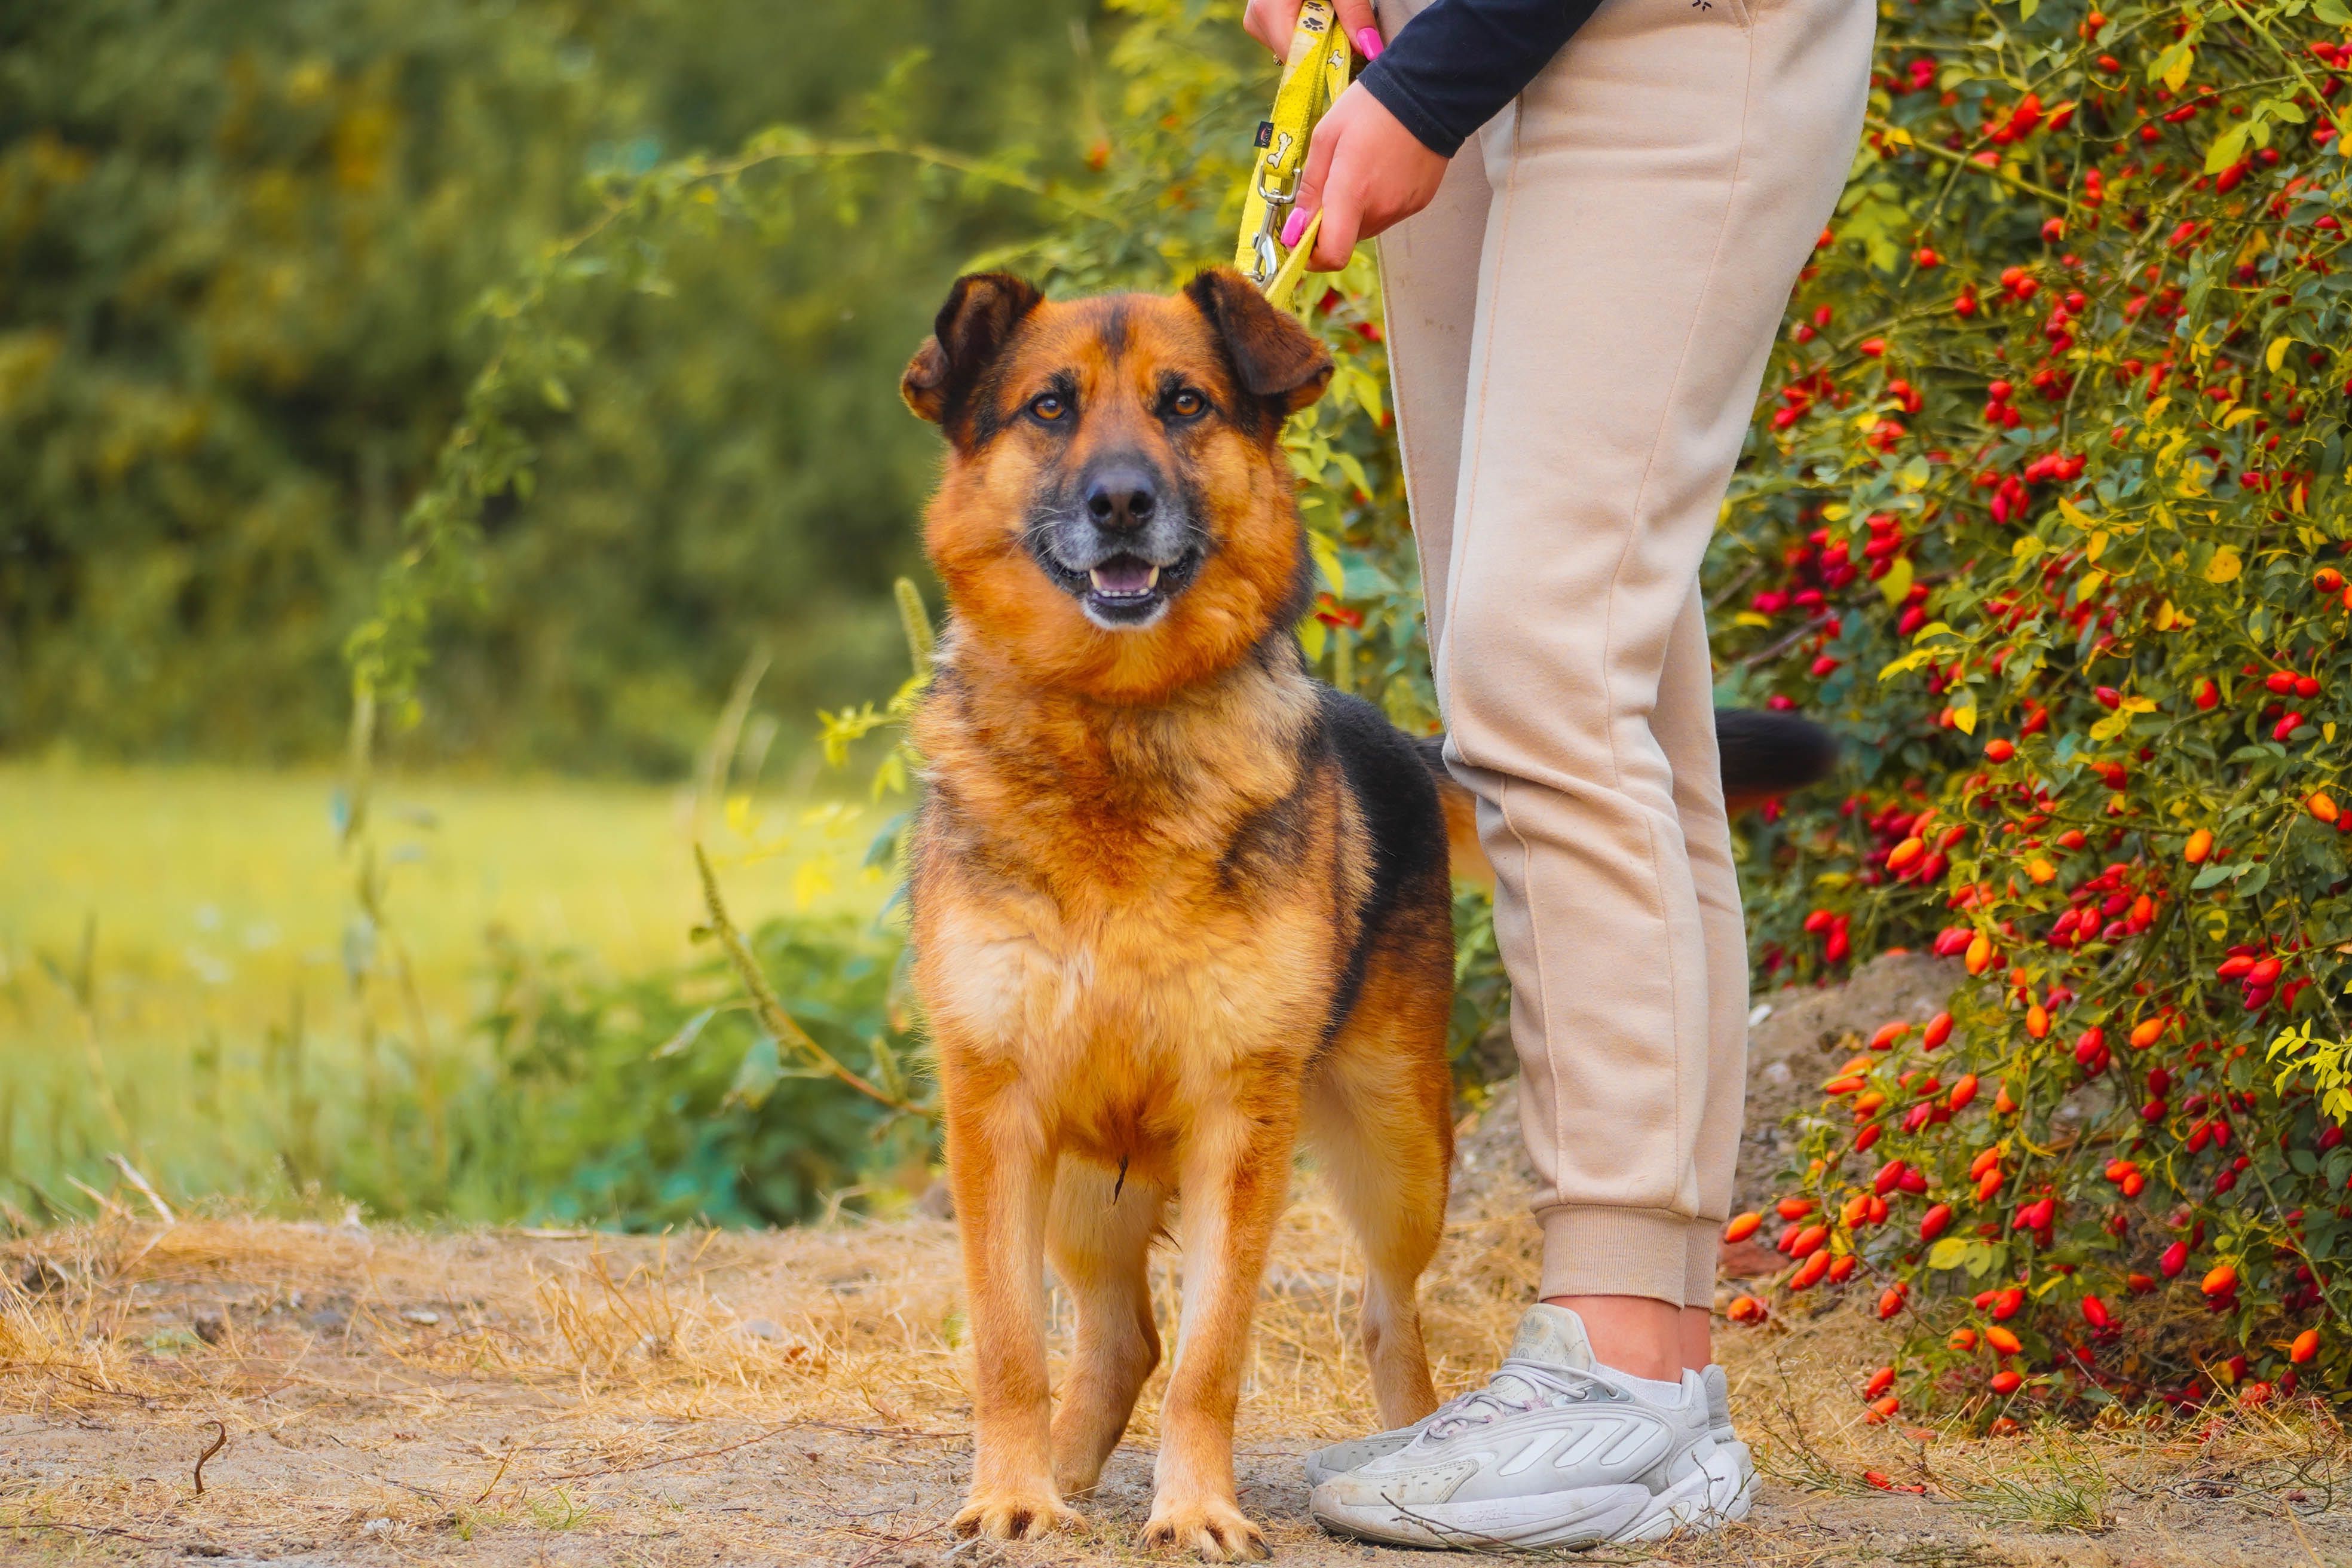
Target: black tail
(1763,754)
(1770,753)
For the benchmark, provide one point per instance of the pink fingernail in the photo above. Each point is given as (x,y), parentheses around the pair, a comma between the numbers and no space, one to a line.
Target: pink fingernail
(1368,42)
(1295,226)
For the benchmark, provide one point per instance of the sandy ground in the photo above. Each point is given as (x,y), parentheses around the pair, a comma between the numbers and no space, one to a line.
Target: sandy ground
(513,1398)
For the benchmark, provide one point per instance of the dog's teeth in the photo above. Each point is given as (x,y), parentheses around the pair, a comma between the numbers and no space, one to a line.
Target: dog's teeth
(1097,577)
(1151,582)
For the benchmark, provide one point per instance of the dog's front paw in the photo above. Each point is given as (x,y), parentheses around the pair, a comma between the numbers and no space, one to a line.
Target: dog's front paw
(1212,1527)
(1009,1515)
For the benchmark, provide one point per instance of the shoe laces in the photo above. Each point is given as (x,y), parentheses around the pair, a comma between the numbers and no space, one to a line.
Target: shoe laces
(1517,1387)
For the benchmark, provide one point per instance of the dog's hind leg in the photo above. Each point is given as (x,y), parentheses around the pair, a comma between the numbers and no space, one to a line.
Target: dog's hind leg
(1379,1119)
(1099,1244)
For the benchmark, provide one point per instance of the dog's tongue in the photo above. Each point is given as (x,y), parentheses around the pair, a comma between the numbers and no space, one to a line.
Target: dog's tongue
(1125,577)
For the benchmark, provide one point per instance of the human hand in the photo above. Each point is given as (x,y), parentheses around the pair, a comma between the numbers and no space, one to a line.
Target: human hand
(1365,172)
(1272,22)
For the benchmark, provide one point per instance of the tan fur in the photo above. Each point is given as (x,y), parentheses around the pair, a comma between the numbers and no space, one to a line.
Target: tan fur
(1137,885)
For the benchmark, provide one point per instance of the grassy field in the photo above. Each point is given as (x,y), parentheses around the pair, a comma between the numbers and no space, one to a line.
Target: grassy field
(207,918)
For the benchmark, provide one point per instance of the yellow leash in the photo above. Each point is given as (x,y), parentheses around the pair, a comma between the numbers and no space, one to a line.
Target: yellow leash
(1313,77)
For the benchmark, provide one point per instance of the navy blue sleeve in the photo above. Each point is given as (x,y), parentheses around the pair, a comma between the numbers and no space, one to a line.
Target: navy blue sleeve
(1452,68)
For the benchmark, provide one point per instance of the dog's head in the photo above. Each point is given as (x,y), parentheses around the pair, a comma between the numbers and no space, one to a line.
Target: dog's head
(1117,515)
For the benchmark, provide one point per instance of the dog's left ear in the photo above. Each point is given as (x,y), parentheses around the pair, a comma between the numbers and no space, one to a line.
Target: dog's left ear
(1276,358)
(973,326)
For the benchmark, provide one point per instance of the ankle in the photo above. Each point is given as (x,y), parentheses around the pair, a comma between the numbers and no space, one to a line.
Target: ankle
(1632,1334)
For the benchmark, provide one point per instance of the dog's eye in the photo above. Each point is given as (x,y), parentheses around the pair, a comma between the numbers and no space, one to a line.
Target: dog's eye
(1187,404)
(1047,408)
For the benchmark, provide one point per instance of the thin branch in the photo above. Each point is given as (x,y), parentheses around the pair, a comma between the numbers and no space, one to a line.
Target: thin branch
(1934,150)
(768,1010)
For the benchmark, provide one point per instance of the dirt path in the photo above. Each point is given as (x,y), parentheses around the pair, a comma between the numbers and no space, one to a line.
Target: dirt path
(505,1399)
(513,1398)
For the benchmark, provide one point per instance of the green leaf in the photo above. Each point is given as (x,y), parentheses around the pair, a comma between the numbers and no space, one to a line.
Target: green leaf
(1950,1253)
(2226,150)
(759,1073)
(2332,12)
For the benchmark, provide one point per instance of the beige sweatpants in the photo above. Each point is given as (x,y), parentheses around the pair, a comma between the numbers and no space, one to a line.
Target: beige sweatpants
(1578,326)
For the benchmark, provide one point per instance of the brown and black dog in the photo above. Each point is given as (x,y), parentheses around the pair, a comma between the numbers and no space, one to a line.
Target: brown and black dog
(1177,906)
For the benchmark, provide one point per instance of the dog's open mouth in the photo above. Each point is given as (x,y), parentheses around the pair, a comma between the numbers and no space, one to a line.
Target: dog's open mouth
(1127,590)
(1123,579)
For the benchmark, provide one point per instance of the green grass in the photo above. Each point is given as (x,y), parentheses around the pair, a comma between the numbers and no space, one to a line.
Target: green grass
(221,913)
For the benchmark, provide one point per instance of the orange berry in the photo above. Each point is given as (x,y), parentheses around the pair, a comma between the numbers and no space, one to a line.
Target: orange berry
(2200,845)
(1743,1227)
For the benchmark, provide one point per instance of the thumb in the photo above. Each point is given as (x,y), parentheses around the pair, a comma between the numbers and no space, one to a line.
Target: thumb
(1363,29)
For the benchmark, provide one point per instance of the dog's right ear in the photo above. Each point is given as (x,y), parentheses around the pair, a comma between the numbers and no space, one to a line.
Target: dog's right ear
(973,326)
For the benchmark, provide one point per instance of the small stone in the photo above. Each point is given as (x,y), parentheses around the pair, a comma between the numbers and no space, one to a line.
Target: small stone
(761,1329)
(423,1317)
(330,1319)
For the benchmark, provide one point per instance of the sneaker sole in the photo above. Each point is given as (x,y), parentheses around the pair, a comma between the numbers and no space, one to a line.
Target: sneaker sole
(1589,1516)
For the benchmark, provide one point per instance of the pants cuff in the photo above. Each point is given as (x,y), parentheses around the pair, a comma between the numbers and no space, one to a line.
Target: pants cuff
(1706,1251)
(1617,1252)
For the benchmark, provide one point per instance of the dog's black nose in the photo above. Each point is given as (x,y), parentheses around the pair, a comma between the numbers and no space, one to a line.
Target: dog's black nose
(1122,499)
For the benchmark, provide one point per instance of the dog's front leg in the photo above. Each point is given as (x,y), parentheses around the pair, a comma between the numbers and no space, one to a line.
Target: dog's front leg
(1235,1176)
(1001,1170)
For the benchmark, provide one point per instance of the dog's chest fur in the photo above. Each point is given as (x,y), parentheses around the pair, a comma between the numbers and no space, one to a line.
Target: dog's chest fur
(1123,909)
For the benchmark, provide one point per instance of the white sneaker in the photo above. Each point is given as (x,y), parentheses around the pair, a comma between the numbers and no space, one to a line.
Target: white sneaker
(1555,1451)
(1732,1468)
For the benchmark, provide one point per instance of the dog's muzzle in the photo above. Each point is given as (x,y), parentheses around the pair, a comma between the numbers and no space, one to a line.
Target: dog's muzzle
(1124,551)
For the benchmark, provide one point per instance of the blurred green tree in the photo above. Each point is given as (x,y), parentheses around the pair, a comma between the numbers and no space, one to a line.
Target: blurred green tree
(241,249)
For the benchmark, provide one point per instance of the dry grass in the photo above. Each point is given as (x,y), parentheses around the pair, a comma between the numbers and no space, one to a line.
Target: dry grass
(802,1397)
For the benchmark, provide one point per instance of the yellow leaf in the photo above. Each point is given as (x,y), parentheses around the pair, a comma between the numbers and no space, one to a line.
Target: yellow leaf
(2159,406)
(2176,76)
(1312,634)
(2225,566)
(2235,417)
(1897,581)
(1964,718)
(1326,550)
(2166,617)
(1836,511)
(2074,515)
(2108,728)
(2139,705)
(1750,618)
(2027,547)
(2097,546)
(2092,581)
(2276,354)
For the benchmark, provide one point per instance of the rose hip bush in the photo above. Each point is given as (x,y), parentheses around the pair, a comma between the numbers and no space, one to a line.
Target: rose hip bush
(2045,506)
